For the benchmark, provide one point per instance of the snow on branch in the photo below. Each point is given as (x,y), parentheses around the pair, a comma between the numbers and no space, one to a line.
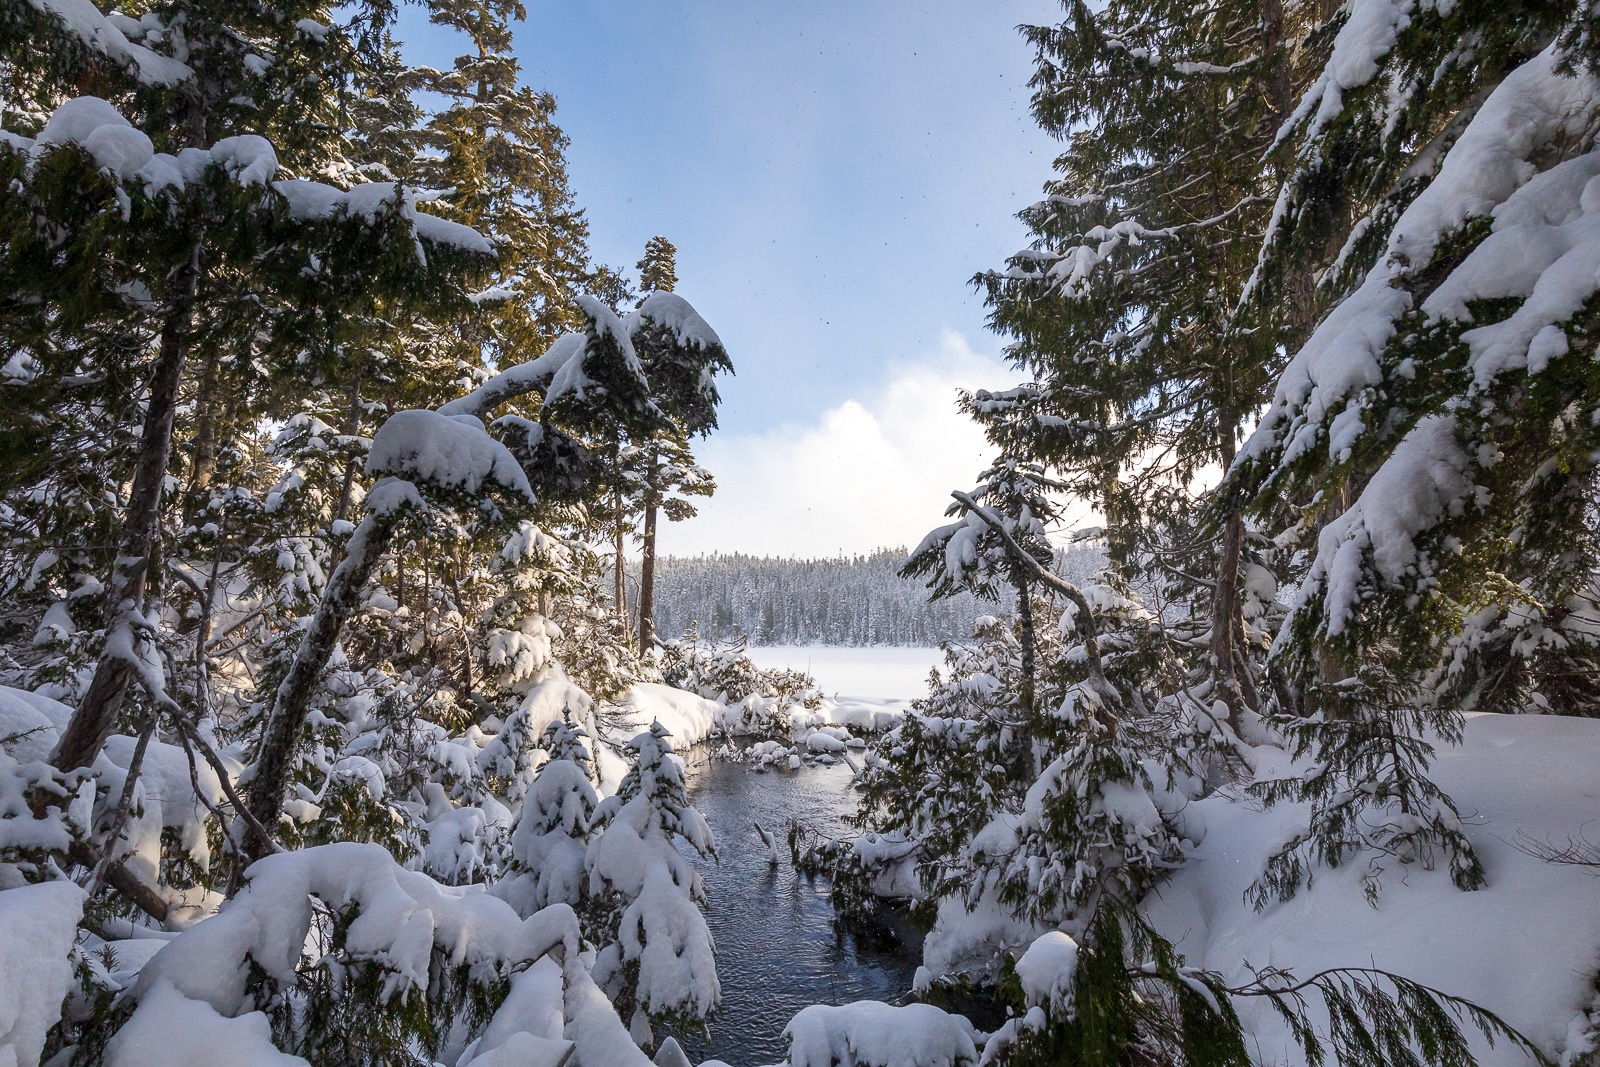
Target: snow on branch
(1322,395)
(104,34)
(450,452)
(676,314)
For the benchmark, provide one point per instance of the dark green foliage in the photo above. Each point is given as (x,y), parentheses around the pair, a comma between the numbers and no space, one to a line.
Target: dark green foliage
(329,1016)
(1379,1019)
(658,270)
(499,152)
(1370,796)
(1136,1002)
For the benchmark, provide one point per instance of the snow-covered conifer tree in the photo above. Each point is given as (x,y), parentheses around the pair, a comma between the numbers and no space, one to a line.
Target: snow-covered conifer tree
(1123,310)
(682,355)
(1001,520)
(658,959)
(658,270)
(551,840)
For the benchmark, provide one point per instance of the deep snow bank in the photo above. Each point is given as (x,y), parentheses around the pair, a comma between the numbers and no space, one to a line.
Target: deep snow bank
(1526,946)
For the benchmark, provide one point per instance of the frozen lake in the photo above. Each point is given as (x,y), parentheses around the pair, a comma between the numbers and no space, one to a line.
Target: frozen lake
(879,672)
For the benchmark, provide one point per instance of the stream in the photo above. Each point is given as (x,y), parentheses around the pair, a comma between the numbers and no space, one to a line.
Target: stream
(778,947)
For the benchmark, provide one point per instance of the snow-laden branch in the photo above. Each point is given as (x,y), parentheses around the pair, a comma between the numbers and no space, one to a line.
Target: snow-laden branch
(1085,616)
(449,448)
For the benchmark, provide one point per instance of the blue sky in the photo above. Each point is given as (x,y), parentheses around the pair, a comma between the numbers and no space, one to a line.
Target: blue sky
(833,174)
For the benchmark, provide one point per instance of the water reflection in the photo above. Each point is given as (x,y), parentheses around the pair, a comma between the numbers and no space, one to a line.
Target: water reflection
(778,948)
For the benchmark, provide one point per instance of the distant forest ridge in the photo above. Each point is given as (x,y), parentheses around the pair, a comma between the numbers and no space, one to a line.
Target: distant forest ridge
(845,600)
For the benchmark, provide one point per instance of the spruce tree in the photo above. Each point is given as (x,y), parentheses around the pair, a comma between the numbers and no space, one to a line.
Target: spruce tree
(657,951)
(658,270)
(211,241)
(1423,443)
(498,151)
(1122,310)
(682,357)
(974,555)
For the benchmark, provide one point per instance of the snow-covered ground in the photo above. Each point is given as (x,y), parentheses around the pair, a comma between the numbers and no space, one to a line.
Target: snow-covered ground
(878,672)
(1526,945)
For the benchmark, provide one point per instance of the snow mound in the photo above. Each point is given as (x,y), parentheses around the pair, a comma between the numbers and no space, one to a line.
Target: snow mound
(1047,972)
(869,1033)
(689,718)
(170,1030)
(403,914)
(38,925)
(32,722)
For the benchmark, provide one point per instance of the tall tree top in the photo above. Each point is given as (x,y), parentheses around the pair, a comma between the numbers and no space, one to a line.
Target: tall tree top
(658,270)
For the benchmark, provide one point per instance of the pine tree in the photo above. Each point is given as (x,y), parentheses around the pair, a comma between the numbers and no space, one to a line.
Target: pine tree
(1423,413)
(498,151)
(1122,311)
(589,385)
(658,270)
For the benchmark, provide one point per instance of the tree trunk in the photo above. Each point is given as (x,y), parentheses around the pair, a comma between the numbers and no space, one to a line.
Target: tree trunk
(453,570)
(1280,94)
(1224,605)
(352,426)
(647,568)
(427,601)
(1225,593)
(208,412)
(1028,639)
(96,715)
(620,578)
(340,598)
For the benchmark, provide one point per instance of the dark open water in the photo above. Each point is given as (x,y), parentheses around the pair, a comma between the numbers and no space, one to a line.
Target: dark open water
(778,948)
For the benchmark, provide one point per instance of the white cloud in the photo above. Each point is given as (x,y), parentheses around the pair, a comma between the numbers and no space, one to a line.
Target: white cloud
(868,473)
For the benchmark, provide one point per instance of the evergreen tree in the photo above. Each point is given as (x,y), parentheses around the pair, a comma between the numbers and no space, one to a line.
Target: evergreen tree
(498,152)
(1448,406)
(552,833)
(681,355)
(1122,310)
(210,242)
(974,554)
(1424,434)
(587,381)
(658,270)
(657,949)
(667,477)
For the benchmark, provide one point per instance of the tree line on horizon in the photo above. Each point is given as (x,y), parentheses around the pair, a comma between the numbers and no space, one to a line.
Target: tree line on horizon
(858,600)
